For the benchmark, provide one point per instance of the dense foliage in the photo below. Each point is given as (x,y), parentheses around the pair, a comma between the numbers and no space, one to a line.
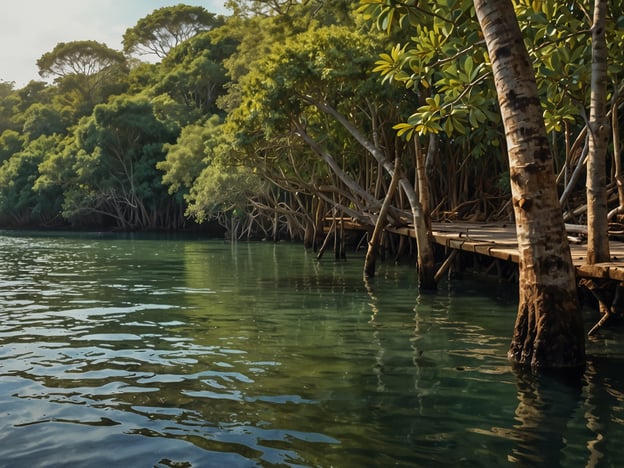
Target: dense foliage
(282,114)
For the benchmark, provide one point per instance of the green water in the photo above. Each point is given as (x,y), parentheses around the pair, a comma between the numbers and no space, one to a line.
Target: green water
(127,351)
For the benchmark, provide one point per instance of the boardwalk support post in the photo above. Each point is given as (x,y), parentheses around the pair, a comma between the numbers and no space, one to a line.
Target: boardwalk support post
(446,265)
(609,297)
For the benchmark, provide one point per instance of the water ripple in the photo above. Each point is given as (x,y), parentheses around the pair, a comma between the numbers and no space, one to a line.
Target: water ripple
(117,351)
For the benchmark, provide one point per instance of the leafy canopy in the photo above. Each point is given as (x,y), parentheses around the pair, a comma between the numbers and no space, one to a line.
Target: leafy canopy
(85,58)
(166,28)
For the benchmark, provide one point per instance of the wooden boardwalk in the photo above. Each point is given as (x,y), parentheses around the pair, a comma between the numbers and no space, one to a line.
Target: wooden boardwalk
(499,241)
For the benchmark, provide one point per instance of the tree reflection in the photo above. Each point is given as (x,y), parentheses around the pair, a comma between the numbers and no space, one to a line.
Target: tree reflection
(603,406)
(379,358)
(547,404)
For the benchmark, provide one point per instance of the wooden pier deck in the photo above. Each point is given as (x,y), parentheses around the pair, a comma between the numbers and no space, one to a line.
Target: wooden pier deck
(499,241)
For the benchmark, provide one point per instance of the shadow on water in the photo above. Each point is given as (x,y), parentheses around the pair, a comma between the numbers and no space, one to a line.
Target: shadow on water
(547,404)
(603,406)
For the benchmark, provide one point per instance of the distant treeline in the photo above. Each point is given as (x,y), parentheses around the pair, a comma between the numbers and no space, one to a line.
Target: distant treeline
(269,120)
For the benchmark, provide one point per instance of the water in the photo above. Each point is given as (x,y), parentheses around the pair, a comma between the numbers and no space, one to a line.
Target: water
(128,351)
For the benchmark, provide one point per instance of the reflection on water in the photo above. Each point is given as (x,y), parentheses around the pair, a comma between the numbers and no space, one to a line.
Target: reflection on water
(165,352)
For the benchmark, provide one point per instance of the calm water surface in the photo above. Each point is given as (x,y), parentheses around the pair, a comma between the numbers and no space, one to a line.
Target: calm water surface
(126,351)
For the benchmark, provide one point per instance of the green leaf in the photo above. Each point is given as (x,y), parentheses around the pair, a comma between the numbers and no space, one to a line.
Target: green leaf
(404,129)
(468,66)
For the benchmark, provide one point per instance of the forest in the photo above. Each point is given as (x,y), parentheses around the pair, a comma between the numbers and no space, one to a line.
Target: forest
(285,113)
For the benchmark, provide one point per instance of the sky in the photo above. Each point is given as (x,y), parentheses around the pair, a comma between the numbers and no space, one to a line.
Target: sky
(30,28)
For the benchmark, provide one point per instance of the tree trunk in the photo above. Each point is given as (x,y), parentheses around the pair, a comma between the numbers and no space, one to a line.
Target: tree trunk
(423,183)
(617,160)
(373,244)
(422,225)
(597,210)
(549,329)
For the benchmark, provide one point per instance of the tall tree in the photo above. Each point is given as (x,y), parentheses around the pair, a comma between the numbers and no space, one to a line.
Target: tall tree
(549,329)
(165,28)
(78,58)
(85,68)
(599,132)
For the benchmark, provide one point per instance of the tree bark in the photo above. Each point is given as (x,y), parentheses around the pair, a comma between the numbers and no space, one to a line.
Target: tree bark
(549,329)
(597,210)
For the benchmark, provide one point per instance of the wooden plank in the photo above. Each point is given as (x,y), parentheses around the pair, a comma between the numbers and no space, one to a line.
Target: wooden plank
(508,255)
(483,248)
(499,241)
(454,243)
(599,270)
(403,231)
(613,271)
